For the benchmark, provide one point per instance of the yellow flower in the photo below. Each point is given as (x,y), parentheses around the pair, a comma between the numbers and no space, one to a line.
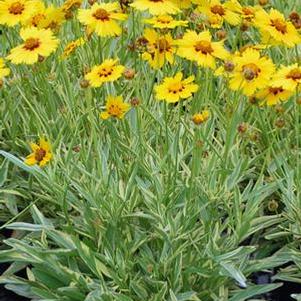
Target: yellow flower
(248,12)
(108,71)
(165,21)
(201,117)
(251,72)
(200,48)
(156,7)
(160,48)
(37,16)
(288,77)
(51,17)
(14,11)
(101,18)
(70,47)
(3,70)
(115,107)
(41,153)
(174,88)
(37,42)
(70,4)
(275,30)
(54,17)
(273,95)
(215,10)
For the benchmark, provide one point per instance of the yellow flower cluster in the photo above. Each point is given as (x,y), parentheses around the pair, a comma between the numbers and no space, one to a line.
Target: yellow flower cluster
(178,39)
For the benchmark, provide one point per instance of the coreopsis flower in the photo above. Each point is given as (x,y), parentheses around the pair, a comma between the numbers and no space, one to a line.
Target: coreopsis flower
(159,48)
(251,72)
(37,43)
(71,46)
(157,7)
(3,70)
(200,48)
(108,71)
(71,4)
(115,107)
(13,12)
(273,95)
(199,118)
(46,17)
(248,12)
(41,153)
(175,88)
(165,22)
(220,12)
(102,18)
(275,30)
(288,77)
(54,17)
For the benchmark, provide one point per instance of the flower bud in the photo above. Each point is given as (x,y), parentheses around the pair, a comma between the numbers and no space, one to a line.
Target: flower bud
(84,83)
(129,74)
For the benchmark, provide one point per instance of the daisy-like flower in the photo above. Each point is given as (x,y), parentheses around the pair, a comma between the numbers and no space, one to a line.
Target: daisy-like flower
(102,18)
(199,118)
(273,95)
(251,72)
(157,7)
(3,70)
(108,71)
(71,46)
(220,12)
(175,88)
(37,43)
(275,30)
(288,77)
(115,107)
(248,12)
(51,17)
(71,4)
(41,153)
(165,22)
(14,11)
(160,48)
(200,48)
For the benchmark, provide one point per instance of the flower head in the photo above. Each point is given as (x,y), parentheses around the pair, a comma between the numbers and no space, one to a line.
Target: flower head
(37,42)
(273,95)
(157,7)
(108,71)
(175,88)
(201,117)
(288,77)
(51,17)
(220,12)
(200,48)
(251,72)
(41,153)
(160,48)
(275,29)
(165,21)
(71,4)
(71,46)
(3,70)
(115,107)
(102,18)
(13,12)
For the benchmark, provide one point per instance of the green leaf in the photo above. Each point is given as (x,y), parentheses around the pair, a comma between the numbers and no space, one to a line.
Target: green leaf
(253,291)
